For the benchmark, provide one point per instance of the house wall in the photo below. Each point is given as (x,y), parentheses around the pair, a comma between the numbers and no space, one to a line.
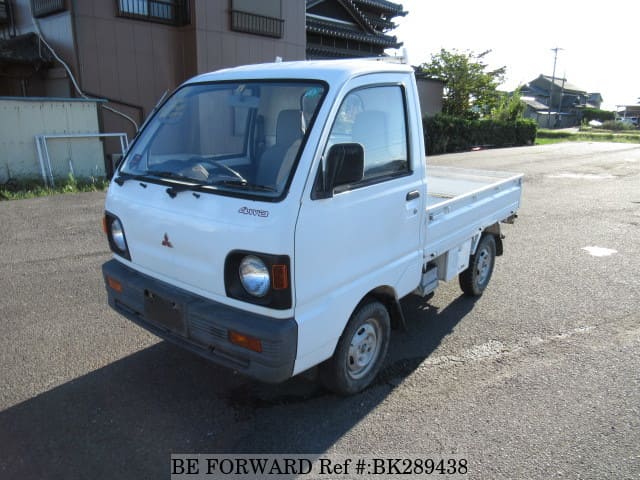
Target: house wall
(219,47)
(135,61)
(24,118)
(127,61)
(565,120)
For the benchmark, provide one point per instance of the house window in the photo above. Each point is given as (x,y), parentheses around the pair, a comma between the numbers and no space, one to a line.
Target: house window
(42,8)
(172,12)
(260,18)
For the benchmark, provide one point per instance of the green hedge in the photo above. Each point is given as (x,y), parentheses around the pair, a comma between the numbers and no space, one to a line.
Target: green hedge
(446,134)
(589,114)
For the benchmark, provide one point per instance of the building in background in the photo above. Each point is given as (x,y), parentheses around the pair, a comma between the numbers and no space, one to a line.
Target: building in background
(556,103)
(130,52)
(350,28)
(430,93)
(629,114)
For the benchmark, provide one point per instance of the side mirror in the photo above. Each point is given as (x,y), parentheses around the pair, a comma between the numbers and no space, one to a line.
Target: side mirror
(344,165)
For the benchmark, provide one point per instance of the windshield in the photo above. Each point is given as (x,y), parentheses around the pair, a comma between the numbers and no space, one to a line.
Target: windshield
(238,138)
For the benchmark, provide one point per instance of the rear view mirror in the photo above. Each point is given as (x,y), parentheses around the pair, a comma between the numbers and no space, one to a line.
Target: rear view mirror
(344,165)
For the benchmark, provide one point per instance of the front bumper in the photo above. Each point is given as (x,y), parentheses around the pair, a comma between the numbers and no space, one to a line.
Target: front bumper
(202,325)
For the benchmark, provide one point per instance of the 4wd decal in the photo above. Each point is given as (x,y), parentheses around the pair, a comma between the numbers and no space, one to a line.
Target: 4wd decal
(254,212)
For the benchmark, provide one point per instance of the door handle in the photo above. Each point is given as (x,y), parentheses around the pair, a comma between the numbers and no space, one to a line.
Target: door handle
(413,195)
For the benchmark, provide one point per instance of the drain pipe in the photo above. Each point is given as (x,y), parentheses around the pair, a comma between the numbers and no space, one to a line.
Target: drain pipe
(77,88)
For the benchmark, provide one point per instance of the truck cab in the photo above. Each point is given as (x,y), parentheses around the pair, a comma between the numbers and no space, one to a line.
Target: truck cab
(270,217)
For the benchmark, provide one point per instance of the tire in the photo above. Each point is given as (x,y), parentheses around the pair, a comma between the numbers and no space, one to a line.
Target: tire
(360,352)
(476,277)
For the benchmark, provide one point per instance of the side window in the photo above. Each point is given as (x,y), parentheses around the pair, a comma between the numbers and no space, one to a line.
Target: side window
(375,118)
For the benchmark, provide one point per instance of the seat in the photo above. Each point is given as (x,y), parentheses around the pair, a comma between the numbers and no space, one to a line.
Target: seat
(288,130)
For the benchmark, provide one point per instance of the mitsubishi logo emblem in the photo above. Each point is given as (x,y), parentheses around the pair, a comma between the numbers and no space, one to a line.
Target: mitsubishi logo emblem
(166,242)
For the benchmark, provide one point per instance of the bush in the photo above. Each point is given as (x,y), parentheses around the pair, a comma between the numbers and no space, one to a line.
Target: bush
(446,134)
(617,126)
(589,114)
(526,131)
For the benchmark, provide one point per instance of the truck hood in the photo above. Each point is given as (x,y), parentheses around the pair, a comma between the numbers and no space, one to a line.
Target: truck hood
(186,239)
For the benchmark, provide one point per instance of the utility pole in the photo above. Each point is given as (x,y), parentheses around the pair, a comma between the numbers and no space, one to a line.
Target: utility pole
(553,81)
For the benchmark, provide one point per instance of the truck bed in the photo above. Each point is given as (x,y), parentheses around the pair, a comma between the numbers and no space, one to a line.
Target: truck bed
(463,202)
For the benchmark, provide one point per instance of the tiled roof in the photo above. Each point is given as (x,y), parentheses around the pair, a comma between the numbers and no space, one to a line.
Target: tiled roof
(339,31)
(381,24)
(390,7)
(369,20)
(533,103)
(319,51)
(358,14)
(562,83)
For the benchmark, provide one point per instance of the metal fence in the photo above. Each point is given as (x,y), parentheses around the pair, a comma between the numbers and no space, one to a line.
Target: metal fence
(258,24)
(172,12)
(42,8)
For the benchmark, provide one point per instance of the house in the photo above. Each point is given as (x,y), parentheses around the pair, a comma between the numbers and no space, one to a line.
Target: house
(595,100)
(556,103)
(350,28)
(130,52)
(430,93)
(628,114)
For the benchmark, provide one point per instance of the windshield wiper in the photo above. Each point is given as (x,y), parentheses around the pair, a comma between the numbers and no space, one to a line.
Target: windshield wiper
(246,185)
(174,190)
(123,177)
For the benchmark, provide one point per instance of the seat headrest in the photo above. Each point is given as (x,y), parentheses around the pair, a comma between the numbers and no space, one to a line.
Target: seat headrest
(288,127)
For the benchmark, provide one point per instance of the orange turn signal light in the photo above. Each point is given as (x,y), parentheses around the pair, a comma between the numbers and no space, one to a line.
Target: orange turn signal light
(245,341)
(279,277)
(114,284)
(104,225)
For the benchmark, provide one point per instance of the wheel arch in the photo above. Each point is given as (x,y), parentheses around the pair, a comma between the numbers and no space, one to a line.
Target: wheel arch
(495,231)
(389,298)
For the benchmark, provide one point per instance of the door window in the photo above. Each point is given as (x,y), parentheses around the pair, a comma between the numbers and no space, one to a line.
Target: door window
(375,118)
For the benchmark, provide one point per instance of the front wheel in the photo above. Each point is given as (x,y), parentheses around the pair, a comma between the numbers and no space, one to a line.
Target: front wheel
(476,277)
(360,351)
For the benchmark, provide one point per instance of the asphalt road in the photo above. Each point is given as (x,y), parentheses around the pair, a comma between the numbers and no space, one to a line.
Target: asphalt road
(539,378)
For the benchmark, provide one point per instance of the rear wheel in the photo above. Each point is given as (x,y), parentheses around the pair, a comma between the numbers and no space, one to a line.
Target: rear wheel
(360,351)
(476,277)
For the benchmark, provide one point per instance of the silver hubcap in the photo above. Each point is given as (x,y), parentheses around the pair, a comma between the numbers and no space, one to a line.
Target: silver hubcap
(363,350)
(483,266)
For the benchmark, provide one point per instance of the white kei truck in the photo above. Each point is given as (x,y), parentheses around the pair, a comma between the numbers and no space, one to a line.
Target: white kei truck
(270,218)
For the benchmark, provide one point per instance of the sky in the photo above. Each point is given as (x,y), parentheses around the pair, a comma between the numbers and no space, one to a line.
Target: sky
(600,40)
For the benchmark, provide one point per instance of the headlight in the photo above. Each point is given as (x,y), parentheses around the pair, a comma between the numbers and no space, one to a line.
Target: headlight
(259,278)
(117,235)
(254,276)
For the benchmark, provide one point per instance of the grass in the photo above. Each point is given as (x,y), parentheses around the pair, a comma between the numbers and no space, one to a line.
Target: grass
(32,188)
(545,137)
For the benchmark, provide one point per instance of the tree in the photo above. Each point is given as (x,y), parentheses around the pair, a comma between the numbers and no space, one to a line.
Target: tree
(510,107)
(470,88)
